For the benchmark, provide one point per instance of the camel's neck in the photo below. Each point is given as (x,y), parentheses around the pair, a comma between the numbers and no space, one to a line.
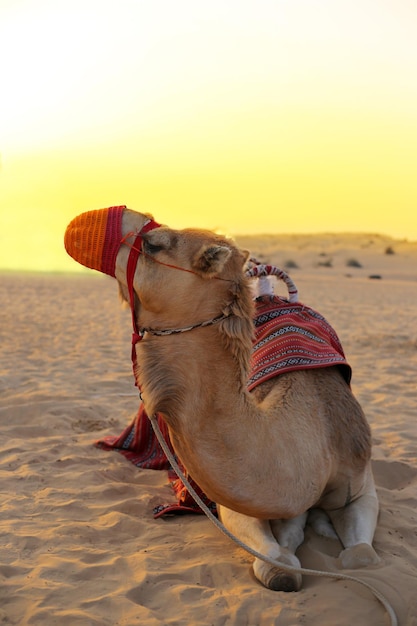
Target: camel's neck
(193,377)
(197,381)
(185,374)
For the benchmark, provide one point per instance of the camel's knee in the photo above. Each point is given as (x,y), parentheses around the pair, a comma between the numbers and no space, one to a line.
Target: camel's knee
(356,522)
(257,534)
(276,578)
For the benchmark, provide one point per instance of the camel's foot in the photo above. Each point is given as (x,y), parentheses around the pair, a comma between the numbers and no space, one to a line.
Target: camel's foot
(358,556)
(275,578)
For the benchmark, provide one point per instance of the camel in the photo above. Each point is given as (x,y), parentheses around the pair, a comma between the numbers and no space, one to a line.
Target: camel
(297,445)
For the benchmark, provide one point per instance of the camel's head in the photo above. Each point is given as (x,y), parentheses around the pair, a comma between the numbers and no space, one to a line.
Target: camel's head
(178,272)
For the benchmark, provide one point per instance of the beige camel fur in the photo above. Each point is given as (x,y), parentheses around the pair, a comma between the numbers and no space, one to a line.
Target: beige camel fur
(297,442)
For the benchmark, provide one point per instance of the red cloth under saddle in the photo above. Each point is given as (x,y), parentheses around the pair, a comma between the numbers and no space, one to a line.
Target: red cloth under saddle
(288,336)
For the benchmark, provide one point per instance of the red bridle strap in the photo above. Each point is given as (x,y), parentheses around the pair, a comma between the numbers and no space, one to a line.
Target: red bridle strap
(135,251)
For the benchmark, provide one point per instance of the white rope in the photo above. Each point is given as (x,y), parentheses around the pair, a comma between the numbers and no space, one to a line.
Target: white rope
(287,568)
(260,270)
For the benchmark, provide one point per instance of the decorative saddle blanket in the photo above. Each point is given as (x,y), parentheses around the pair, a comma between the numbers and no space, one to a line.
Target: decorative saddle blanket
(288,336)
(291,336)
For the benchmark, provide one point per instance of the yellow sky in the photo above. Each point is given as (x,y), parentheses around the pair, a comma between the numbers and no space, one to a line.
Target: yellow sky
(247,116)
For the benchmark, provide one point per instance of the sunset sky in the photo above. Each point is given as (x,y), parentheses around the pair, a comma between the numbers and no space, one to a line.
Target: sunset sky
(244,116)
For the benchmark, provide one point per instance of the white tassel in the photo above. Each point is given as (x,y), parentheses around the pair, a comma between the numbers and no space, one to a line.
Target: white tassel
(265,287)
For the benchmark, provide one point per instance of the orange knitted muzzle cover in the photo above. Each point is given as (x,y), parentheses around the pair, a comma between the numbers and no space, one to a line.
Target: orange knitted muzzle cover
(94,238)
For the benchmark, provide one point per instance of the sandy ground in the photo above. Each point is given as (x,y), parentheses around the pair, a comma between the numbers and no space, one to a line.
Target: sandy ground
(79,545)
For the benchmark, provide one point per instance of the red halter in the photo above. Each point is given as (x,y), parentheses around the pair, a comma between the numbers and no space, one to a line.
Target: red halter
(135,251)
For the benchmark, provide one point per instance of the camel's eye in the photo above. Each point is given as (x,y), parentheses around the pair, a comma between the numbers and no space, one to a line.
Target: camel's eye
(151,248)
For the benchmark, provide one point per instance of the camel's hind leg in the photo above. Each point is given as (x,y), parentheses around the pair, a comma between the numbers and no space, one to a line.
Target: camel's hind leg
(258,535)
(355,524)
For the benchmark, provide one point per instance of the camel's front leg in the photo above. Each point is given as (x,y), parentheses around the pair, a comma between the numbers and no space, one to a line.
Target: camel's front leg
(258,535)
(355,524)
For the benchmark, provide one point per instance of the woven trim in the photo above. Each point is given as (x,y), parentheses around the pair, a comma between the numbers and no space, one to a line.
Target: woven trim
(112,240)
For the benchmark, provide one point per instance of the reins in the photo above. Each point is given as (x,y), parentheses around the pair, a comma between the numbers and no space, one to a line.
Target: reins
(184,329)
(137,248)
(260,271)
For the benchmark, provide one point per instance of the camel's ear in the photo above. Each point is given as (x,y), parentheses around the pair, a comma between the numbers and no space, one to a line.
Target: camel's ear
(245,255)
(210,260)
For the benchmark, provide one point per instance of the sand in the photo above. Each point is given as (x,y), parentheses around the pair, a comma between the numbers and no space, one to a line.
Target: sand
(79,545)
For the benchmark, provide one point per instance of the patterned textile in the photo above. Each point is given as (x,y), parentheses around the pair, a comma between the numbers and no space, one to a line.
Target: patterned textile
(139,445)
(292,336)
(288,336)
